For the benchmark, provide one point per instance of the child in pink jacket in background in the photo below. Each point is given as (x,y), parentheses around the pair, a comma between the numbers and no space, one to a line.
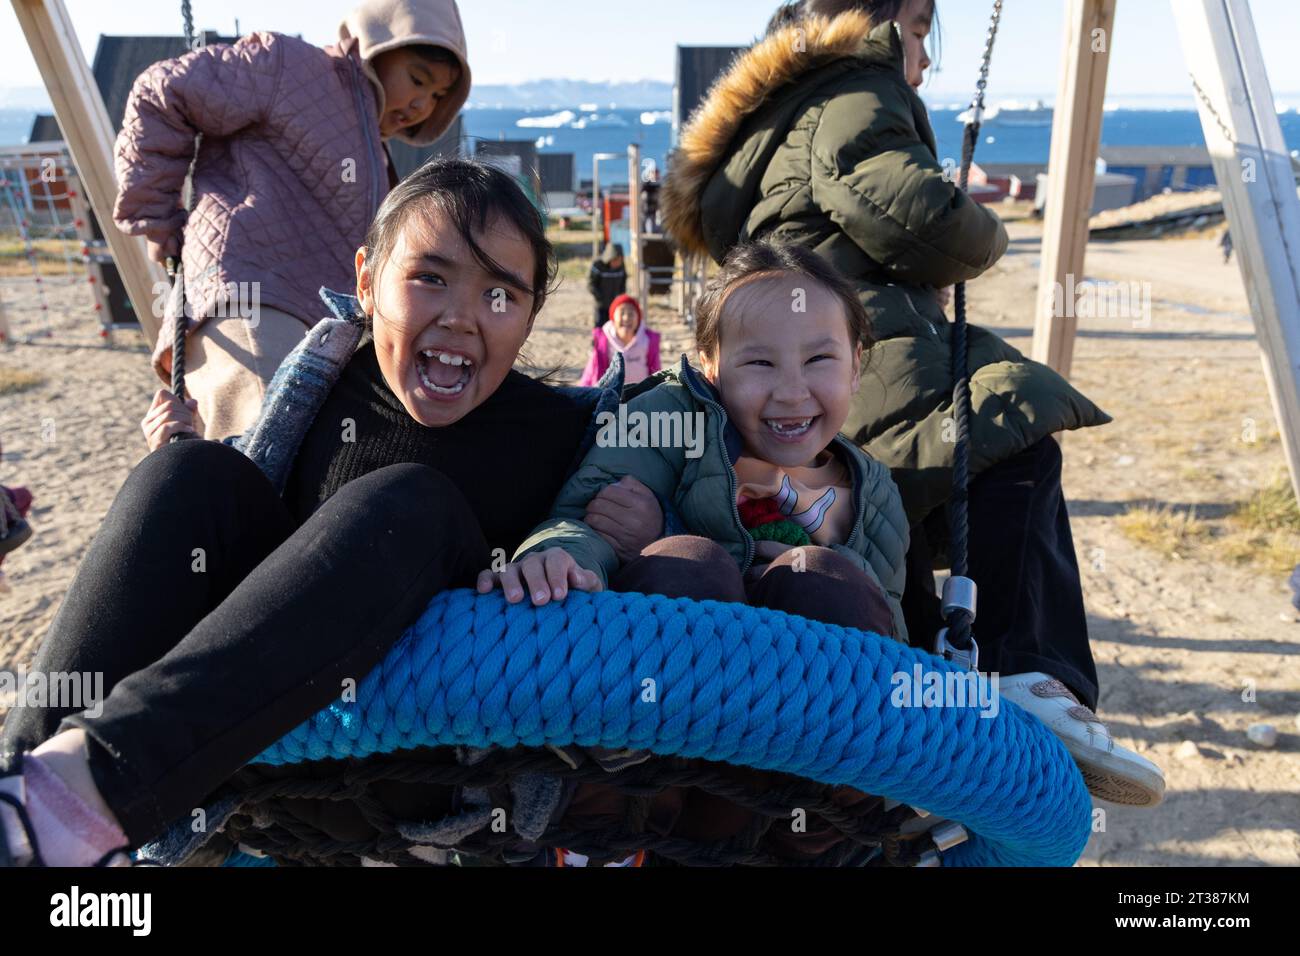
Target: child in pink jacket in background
(291,169)
(625,332)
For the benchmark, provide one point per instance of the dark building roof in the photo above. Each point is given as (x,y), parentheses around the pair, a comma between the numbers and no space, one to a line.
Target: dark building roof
(558,170)
(1155,155)
(697,68)
(45,129)
(119,60)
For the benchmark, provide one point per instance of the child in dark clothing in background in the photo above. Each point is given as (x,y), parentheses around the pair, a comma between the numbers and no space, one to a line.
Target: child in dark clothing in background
(607,280)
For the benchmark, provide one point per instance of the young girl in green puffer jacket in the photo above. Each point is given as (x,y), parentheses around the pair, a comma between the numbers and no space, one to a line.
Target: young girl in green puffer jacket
(779,509)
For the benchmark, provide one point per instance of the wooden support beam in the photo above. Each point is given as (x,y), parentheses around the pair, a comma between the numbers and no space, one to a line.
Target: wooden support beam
(1071,175)
(89,135)
(1257,182)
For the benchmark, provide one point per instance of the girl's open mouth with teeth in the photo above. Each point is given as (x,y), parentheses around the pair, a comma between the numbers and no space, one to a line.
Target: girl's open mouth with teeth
(444,375)
(790,429)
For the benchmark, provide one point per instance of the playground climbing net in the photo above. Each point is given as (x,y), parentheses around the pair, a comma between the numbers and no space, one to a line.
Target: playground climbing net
(45,221)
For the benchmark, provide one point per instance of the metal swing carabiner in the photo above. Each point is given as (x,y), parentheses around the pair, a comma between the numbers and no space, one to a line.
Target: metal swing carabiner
(959,598)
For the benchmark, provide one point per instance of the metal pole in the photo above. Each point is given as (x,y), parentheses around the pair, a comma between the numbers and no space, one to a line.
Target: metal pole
(634,210)
(595,206)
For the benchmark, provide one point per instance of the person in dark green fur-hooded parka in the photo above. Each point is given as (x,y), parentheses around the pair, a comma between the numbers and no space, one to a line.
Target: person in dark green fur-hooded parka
(816,136)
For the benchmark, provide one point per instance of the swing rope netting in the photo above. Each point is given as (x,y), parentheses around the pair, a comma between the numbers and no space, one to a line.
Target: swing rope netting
(470,698)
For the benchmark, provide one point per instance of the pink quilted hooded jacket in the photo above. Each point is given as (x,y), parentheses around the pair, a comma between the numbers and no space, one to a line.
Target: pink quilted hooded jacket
(291,168)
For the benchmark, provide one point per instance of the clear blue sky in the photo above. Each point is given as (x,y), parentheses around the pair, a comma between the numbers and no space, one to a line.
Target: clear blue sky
(515,40)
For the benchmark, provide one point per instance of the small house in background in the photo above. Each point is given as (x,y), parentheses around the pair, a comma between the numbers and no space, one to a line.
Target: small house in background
(39,194)
(1110,191)
(518,157)
(697,68)
(1157,168)
(559,175)
(1007,180)
(407,158)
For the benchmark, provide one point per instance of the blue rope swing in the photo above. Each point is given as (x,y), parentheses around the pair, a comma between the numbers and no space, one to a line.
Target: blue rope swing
(723,682)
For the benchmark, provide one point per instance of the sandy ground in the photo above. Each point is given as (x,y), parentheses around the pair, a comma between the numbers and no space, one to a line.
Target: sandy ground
(1178,641)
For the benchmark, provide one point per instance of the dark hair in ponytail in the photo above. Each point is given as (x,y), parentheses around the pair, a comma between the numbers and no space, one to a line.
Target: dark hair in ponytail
(470,194)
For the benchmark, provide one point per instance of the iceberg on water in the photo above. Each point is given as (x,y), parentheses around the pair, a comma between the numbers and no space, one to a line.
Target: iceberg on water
(1014,113)
(588,107)
(599,121)
(649,118)
(553,121)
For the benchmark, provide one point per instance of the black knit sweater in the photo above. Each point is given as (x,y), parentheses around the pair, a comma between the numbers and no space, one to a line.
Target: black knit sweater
(509,456)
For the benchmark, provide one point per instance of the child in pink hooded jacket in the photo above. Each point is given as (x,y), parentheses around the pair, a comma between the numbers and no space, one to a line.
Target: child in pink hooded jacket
(626,333)
(291,169)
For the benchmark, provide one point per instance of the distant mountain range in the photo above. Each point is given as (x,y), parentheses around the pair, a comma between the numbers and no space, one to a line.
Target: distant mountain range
(558,94)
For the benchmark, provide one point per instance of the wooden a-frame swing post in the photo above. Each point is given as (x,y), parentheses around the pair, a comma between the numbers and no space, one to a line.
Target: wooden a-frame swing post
(89,135)
(1071,175)
(1251,164)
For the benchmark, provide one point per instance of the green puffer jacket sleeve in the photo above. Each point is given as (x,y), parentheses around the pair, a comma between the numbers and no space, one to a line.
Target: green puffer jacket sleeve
(659,469)
(880,183)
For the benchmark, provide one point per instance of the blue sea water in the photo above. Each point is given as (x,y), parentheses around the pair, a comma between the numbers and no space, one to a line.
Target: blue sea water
(999,143)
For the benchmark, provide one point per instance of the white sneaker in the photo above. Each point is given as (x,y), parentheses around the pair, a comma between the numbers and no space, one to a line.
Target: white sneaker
(1111,772)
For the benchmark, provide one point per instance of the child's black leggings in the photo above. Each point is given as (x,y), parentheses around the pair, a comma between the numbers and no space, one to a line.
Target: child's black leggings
(219,624)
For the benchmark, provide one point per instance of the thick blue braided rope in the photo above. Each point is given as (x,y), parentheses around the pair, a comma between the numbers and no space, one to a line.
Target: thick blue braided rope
(731,683)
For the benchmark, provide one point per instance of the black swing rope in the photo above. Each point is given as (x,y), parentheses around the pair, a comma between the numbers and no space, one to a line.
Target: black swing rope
(959,590)
(174,265)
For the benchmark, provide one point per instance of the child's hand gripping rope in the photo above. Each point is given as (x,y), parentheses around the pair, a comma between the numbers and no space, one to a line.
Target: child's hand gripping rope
(167,417)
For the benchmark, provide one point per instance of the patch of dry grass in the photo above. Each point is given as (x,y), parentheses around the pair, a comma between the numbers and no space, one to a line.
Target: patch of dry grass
(1175,534)
(51,256)
(15,380)
(1272,508)
(1263,531)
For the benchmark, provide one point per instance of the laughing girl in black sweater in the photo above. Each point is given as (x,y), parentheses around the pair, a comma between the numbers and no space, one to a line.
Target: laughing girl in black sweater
(405,482)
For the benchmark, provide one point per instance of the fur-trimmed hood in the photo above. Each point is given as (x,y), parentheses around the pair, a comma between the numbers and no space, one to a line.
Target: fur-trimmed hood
(752,80)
